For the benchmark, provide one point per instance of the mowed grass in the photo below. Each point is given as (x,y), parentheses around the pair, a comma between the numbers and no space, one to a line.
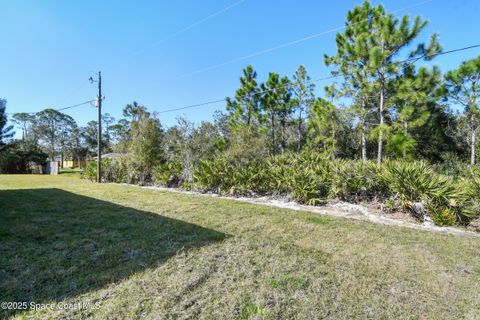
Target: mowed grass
(141,253)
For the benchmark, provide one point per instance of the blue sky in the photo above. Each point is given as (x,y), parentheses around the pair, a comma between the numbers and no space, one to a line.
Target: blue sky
(50,48)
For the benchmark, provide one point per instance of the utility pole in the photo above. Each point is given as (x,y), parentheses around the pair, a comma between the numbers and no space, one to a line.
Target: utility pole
(99,137)
(99,133)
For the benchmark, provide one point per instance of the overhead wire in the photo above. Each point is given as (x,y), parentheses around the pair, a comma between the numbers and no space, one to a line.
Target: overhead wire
(61,109)
(183,30)
(288,44)
(406,61)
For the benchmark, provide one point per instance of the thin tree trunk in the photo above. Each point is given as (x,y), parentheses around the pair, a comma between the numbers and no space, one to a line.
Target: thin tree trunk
(333,144)
(473,140)
(273,133)
(405,132)
(299,146)
(380,133)
(381,108)
(363,134)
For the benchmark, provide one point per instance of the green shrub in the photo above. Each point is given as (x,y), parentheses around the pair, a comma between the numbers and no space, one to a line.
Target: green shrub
(313,178)
(214,175)
(354,180)
(90,171)
(113,170)
(446,200)
(443,216)
(169,174)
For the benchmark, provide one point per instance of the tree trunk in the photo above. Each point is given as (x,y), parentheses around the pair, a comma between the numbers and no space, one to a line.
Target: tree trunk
(380,133)
(333,144)
(299,145)
(282,134)
(405,133)
(363,133)
(381,107)
(473,139)
(273,133)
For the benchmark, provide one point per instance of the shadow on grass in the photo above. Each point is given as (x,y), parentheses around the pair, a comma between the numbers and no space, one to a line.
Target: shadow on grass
(55,244)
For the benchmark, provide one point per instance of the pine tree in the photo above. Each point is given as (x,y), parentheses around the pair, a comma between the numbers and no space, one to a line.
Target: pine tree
(244,107)
(413,92)
(323,126)
(463,87)
(133,111)
(352,63)
(145,142)
(276,102)
(367,58)
(52,127)
(304,97)
(389,36)
(6,131)
(24,121)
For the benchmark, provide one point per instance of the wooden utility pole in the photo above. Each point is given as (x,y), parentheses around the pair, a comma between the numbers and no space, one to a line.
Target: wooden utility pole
(99,137)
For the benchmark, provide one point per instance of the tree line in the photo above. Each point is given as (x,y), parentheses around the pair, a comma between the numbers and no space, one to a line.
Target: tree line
(379,105)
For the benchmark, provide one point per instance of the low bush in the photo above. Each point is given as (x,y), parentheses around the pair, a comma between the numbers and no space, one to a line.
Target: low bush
(312,178)
(358,180)
(21,157)
(168,174)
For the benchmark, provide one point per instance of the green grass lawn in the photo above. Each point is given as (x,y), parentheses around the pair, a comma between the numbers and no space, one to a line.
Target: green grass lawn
(138,253)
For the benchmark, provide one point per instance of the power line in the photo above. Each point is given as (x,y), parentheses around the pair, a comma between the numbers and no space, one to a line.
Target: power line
(407,61)
(61,109)
(290,85)
(286,44)
(75,105)
(185,29)
(415,59)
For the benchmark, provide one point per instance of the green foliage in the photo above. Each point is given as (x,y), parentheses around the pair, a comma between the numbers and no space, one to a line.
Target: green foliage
(414,182)
(357,180)
(304,97)
(249,151)
(55,130)
(400,145)
(169,174)
(145,144)
(250,310)
(20,156)
(90,172)
(6,131)
(312,178)
(323,125)
(113,170)
(443,216)
(446,200)
(288,282)
(463,87)
(244,107)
